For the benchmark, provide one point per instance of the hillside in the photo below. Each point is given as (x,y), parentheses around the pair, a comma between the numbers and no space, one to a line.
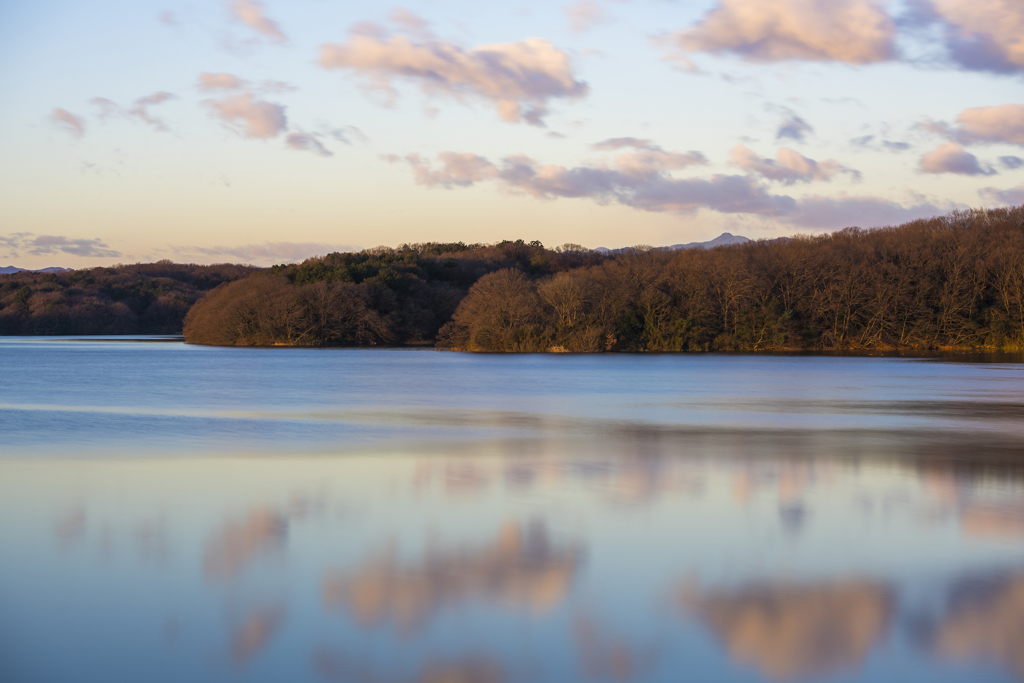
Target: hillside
(954,281)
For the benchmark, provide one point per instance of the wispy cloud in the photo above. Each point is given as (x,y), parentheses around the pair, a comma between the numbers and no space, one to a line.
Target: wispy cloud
(519,79)
(68,122)
(585,14)
(140,110)
(1009,197)
(952,158)
(266,253)
(252,15)
(305,142)
(41,245)
(793,127)
(220,81)
(248,116)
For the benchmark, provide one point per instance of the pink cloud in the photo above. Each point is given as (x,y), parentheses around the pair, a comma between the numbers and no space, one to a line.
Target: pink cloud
(252,15)
(519,79)
(219,81)
(952,158)
(585,14)
(250,117)
(68,122)
(850,31)
(789,166)
(1003,123)
(985,35)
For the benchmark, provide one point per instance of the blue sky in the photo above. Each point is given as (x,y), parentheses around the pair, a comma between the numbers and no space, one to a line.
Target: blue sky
(322,125)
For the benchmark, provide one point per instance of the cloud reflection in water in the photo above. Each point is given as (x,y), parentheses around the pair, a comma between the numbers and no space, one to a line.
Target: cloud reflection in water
(521,568)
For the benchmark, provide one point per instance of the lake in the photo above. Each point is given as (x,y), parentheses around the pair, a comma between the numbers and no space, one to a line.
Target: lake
(180,513)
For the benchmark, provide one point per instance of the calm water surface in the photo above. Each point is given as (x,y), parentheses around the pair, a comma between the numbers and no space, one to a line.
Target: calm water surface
(179,513)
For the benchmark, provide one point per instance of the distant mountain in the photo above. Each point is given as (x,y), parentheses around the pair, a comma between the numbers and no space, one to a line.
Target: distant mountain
(7,270)
(722,240)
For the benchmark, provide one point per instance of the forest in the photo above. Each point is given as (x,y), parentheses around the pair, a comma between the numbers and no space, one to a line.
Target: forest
(950,282)
(135,299)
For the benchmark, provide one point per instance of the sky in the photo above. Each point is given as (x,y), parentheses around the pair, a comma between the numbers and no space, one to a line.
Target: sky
(267,132)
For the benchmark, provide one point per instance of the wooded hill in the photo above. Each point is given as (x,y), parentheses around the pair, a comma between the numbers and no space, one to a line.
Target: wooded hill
(137,299)
(955,281)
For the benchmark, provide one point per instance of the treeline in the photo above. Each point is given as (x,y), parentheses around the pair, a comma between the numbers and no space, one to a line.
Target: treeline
(955,281)
(381,296)
(131,299)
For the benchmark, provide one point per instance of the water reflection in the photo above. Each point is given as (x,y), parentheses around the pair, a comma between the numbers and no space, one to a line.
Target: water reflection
(240,542)
(985,621)
(790,631)
(403,521)
(521,568)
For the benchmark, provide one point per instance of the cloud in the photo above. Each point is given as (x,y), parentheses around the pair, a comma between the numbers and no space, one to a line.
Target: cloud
(220,81)
(982,35)
(793,128)
(107,107)
(250,117)
(952,158)
(458,169)
(68,122)
(140,110)
(869,142)
(652,188)
(142,105)
(265,253)
(251,14)
(412,23)
(40,245)
(1011,197)
(1011,163)
(304,142)
(619,143)
(639,182)
(585,14)
(519,79)
(1003,123)
(849,31)
(789,166)
(829,213)
(168,18)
